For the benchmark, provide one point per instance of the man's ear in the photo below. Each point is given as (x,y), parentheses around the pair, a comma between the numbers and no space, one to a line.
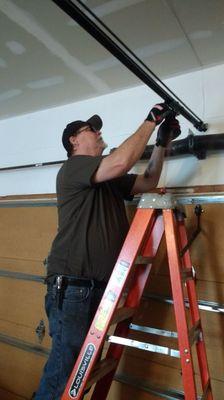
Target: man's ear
(73,141)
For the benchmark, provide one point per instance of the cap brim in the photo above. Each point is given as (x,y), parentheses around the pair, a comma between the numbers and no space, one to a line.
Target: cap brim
(96,122)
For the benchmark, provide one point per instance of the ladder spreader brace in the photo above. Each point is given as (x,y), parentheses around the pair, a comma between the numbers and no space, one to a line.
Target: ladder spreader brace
(155,215)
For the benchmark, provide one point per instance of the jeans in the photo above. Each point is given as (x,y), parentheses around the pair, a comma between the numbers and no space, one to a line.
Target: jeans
(69,322)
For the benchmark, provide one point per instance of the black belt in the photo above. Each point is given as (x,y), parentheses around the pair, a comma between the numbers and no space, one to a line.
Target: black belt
(64,281)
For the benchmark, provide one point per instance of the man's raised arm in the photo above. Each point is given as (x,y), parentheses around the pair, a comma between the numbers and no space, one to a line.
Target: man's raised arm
(130,151)
(168,130)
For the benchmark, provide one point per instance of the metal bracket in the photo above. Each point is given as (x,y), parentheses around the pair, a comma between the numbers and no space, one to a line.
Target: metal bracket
(198,211)
(40,331)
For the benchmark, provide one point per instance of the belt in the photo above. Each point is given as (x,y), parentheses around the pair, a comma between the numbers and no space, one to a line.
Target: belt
(64,281)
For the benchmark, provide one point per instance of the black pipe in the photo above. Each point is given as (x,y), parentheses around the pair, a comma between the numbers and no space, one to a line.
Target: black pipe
(196,145)
(75,12)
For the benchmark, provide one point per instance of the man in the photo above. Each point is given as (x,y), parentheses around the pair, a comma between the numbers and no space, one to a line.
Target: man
(92,227)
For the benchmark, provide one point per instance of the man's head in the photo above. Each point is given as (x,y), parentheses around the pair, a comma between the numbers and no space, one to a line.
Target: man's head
(84,137)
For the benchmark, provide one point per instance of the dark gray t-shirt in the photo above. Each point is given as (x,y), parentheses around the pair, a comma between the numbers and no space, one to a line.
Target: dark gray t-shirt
(92,220)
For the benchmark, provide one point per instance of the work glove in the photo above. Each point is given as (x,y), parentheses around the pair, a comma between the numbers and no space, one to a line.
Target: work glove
(168,130)
(158,113)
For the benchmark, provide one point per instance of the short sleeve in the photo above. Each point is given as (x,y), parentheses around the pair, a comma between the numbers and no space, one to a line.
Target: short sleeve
(125,184)
(80,169)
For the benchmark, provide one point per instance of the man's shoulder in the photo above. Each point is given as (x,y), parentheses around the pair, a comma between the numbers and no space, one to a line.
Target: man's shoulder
(78,169)
(81,160)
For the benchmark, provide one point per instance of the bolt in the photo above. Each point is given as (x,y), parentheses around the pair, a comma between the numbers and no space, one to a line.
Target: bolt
(187,360)
(185,351)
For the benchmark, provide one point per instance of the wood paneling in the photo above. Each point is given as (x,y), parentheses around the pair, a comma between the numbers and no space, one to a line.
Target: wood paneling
(26,234)
(20,370)
(6,395)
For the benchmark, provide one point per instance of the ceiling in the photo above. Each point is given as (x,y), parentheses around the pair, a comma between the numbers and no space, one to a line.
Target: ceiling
(47,60)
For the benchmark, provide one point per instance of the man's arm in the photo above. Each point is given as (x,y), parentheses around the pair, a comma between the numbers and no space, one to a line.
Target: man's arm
(168,130)
(130,151)
(126,155)
(150,178)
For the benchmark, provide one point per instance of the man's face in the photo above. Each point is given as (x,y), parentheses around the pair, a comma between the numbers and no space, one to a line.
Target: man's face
(90,141)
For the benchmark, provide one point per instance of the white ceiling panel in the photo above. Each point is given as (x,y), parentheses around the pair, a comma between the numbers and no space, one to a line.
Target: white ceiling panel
(46,59)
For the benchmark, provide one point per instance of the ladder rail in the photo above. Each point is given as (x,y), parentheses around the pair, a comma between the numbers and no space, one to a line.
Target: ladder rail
(94,340)
(194,311)
(179,305)
(133,299)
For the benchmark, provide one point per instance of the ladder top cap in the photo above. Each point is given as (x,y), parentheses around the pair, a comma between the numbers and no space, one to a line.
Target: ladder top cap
(158,201)
(172,200)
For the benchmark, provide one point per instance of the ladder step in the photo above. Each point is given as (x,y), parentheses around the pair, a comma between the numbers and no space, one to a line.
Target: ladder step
(195,333)
(101,369)
(122,313)
(153,331)
(144,346)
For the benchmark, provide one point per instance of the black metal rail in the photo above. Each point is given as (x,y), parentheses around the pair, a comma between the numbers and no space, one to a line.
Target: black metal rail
(197,145)
(35,165)
(78,12)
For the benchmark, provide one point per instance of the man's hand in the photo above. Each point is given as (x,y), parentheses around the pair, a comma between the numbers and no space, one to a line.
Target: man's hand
(158,113)
(168,130)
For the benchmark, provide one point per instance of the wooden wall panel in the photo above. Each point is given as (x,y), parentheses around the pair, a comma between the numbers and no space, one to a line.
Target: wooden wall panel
(124,392)
(207,251)
(6,395)
(25,238)
(21,309)
(20,371)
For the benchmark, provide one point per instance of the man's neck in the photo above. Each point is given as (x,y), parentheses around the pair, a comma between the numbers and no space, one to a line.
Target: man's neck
(90,152)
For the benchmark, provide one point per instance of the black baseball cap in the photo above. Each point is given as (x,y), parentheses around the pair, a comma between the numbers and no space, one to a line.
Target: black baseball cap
(95,122)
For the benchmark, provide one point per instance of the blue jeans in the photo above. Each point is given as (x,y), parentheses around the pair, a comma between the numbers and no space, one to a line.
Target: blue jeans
(68,326)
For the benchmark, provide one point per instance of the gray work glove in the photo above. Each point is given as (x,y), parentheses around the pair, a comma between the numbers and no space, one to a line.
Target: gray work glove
(158,113)
(168,130)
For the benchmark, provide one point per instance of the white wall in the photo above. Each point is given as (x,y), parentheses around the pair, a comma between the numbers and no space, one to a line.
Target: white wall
(36,137)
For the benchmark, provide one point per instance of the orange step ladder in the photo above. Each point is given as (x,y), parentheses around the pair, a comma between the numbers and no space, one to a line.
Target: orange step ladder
(155,215)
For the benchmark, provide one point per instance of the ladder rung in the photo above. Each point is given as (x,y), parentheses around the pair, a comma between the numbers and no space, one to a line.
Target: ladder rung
(207,390)
(122,313)
(194,333)
(144,346)
(101,369)
(143,260)
(153,331)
